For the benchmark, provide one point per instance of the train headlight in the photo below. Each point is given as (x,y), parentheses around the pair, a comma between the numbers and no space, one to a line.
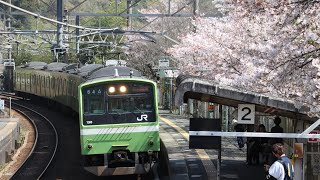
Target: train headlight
(112,89)
(123,89)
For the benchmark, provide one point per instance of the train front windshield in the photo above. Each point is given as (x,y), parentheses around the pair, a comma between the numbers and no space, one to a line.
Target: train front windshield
(117,103)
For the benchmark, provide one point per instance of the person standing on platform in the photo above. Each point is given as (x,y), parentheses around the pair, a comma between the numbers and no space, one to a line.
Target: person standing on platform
(260,146)
(239,128)
(276,129)
(282,169)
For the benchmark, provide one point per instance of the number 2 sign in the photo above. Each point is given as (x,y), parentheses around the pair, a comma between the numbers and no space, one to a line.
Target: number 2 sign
(246,113)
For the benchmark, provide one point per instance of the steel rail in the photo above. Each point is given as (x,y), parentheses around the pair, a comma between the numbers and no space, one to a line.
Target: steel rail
(56,139)
(15,174)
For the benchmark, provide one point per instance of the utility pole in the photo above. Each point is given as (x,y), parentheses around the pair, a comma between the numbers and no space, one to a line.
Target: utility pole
(8,28)
(129,11)
(195,13)
(59,47)
(195,8)
(9,65)
(77,35)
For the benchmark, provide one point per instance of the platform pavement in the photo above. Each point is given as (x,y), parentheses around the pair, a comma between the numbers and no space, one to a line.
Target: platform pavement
(9,134)
(233,162)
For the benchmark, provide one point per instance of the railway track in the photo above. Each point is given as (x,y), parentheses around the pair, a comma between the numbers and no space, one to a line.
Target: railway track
(64,167)
(44,149)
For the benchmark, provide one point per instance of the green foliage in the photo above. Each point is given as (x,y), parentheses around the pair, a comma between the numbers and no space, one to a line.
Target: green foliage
(72,58)
(22,22)
(31,5)
(110,21)
(24,57)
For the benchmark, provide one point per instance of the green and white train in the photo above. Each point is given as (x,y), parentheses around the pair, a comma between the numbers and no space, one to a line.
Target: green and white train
(117,107)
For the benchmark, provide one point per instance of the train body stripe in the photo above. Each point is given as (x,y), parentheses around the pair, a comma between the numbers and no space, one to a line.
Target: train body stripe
(119,130)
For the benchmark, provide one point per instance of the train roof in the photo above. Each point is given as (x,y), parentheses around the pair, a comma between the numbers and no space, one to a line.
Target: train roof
(89,71)
(35,65)
(115,62)
(55,66)
(113,71)
(86,70)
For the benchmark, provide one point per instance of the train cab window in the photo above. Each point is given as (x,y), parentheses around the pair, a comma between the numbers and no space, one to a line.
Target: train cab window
(93,100)
(118,102)
(136,97)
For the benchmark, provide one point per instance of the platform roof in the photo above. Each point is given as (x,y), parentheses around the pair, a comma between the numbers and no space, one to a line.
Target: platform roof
(207,91)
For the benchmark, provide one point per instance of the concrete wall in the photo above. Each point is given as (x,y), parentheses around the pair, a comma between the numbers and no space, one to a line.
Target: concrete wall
(9,136)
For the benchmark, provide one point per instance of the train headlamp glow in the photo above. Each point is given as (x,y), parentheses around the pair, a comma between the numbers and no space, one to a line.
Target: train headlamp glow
(123,89)
(112,89)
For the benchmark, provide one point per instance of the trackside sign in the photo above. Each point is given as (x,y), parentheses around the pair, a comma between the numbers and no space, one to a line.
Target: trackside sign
(314,140)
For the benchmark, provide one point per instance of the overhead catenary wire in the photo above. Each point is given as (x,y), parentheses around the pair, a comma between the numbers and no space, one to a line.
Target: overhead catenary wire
(52,20)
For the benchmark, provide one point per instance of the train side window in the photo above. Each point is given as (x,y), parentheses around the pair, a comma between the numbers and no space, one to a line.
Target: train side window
(22,78)
(43,81)
(18,77)
(34,80)
(53,83)
(71,84)
(48,82)
(59,85)
(28,78)
(65,86)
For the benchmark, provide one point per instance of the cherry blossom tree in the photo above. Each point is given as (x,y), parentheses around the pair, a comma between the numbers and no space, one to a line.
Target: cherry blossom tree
(270,46)
(143,52)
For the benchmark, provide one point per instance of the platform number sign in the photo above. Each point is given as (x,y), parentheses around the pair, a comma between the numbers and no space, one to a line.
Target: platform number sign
(246,113)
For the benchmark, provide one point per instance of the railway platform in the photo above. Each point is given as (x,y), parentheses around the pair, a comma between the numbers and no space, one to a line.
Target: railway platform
(9,133)
(199,164)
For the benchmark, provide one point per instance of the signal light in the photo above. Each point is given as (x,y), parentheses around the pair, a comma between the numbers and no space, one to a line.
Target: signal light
(112,89)
(123,89)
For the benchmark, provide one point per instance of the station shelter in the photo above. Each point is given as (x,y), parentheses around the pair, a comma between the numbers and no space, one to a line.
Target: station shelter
(196,98)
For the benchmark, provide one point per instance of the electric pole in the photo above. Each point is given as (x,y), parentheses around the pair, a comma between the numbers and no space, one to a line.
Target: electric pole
(59,49)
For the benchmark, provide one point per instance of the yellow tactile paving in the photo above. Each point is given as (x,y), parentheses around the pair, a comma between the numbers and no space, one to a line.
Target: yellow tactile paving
(205,159)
